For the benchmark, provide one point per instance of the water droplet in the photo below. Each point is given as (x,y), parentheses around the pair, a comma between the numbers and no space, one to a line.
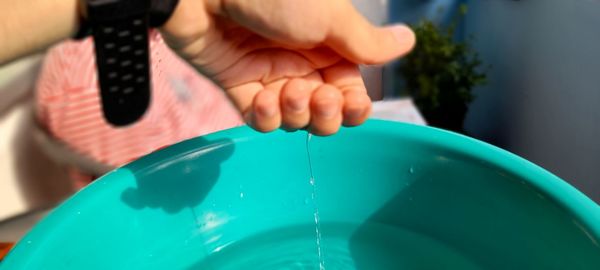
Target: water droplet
(28,242)
(410,199)
(241,195)
(306,201)
(411,170)
(78,212)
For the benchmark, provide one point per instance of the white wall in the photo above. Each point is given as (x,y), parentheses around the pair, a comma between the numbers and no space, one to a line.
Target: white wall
(543,100)
(11,199)
(27,178)
(376,11)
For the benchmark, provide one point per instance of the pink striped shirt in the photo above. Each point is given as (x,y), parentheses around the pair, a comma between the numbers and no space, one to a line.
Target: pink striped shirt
(184,104)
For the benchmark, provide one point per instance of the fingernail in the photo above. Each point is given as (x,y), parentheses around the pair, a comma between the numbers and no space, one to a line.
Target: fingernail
(354,113)
(403,33)
(298,104)
(328,109)
(267,111)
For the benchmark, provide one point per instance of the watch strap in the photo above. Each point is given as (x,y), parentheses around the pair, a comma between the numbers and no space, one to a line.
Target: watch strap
(120,31)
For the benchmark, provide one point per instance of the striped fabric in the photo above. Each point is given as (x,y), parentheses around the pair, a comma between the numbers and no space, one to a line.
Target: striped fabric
(184,104)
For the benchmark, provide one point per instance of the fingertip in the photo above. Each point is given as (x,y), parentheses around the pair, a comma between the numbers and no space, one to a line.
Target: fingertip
(295,95)
(324,131)
(265,115)
(357,108)
(326,111)
(326,102)
(295,99)
(371,45)
(266,104)
(405,37)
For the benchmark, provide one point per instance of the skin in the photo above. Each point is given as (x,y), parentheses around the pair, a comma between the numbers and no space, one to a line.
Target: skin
(289,64)
(26,26)
(293,64)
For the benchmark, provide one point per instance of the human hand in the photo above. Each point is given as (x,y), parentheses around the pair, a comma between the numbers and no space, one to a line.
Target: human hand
(286,63)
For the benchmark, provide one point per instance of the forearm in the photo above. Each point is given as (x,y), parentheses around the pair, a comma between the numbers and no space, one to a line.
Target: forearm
(28,26)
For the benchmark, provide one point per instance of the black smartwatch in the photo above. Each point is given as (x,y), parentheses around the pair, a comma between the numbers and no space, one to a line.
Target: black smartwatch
(120,32)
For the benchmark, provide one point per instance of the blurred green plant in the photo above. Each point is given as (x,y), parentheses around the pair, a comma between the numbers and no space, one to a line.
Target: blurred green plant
(440,73)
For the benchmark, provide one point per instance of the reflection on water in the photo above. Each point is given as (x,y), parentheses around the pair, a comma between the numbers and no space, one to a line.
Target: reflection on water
(370,246)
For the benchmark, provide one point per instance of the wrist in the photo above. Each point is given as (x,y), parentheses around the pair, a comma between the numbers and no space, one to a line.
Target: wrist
(186,38)
(161,11)
(83,28)
(159,14)
(82,9)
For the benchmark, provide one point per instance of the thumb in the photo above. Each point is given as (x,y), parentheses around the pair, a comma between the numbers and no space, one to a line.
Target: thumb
(356,39)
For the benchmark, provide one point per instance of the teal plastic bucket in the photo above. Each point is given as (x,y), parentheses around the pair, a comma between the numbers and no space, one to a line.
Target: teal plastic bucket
(389,196)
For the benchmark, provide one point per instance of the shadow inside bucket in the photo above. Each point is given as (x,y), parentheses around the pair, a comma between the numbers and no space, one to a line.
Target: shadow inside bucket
(486,219)
(180,181)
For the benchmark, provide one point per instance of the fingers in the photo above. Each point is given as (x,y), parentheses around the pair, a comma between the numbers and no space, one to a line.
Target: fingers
(320,102)
(265,115)
(310,23)
(357,107)
(322,111)
(361,42)
(300,106)
(259,104)
(242,96)
(302,103)
(326,110)
(357,104)
(295,99)
(308,103)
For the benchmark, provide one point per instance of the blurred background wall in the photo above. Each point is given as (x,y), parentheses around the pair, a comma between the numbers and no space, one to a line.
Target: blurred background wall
(28,179)
(543,97)
(542,100)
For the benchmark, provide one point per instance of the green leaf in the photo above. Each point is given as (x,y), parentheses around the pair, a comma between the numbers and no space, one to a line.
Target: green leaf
(441,73)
